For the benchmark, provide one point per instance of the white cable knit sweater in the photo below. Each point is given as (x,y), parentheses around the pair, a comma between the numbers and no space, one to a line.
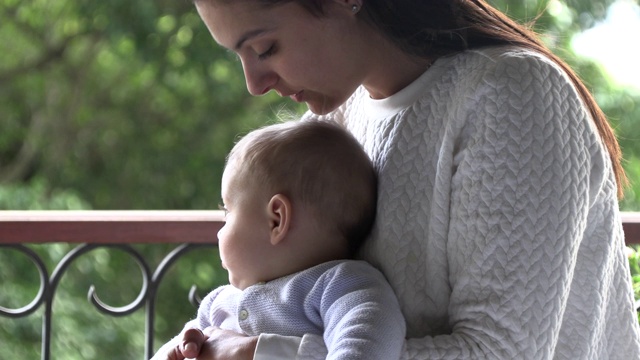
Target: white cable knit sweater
(498,224)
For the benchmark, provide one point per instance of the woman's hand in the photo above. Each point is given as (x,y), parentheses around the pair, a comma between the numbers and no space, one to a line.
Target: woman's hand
(218,344)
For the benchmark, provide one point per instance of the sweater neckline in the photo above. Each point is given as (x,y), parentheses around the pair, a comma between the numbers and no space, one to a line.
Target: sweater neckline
(383,108)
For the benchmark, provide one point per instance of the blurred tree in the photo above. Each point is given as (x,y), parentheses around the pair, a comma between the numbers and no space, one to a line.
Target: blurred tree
(132,106)
(129,104)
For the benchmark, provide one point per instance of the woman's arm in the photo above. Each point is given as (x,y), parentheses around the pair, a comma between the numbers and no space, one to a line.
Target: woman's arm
(518,209)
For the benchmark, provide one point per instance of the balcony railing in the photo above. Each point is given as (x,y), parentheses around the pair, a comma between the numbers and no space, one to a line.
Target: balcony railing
(120,229)
(90,230)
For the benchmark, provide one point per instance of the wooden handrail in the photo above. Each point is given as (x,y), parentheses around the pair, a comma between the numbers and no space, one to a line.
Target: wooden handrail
(94,229)
(112,227)
(122,227)
(631,226)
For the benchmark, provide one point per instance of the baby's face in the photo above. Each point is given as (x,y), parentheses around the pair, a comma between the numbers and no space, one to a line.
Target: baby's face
(244,239)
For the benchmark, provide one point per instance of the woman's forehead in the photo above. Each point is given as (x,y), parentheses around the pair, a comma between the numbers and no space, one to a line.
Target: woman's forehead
(232,24)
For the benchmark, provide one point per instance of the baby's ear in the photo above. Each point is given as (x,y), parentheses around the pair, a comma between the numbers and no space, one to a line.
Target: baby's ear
(279,210)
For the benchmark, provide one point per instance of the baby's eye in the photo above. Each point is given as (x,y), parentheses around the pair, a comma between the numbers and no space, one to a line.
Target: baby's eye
(223,208)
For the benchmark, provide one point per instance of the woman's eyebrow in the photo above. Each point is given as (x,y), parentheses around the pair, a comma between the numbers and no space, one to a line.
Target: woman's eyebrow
(249,35)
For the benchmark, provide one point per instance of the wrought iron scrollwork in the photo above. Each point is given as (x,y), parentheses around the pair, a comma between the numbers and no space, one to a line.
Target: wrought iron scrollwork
(146,296)
(138,302)
(44,284)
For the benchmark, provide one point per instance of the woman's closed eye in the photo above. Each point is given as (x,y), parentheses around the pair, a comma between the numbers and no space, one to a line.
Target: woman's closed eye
(268,53)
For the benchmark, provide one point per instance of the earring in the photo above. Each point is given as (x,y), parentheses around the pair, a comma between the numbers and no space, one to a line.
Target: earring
(354,8)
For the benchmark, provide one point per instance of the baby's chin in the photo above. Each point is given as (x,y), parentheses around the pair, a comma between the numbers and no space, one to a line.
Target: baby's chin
(243,284)
(240,285)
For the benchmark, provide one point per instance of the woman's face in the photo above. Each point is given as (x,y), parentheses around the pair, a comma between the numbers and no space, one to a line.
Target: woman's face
(316,60)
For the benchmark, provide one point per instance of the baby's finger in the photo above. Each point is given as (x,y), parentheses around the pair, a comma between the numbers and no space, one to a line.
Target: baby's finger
(192,341)
(175,354)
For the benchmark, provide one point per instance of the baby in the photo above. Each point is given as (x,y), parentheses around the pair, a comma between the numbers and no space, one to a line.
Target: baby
(299,199)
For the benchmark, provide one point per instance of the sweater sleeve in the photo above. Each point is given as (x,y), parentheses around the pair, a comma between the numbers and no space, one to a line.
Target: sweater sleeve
(359,314)
(278,347)
(519,203)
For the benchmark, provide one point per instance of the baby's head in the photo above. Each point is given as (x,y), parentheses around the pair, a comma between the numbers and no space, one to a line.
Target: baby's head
(300,192)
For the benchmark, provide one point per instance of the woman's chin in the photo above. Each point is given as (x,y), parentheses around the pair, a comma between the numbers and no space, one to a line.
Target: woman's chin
(322,108)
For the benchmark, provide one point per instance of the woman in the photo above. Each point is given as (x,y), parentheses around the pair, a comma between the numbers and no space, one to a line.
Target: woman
(498,223)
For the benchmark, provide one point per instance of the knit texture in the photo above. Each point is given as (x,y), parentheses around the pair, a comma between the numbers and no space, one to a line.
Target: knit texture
(349,304)
(498,224)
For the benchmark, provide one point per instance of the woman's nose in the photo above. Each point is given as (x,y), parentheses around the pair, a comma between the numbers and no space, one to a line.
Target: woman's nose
(260,79)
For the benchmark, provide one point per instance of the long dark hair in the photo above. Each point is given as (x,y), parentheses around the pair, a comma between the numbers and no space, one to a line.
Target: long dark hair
(447,26)
(433,28)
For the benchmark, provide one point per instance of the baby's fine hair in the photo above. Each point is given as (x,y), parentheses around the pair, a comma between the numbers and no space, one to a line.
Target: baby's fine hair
(317,164)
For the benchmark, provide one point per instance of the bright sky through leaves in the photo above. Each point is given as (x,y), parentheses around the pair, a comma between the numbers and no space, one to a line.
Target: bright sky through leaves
(614,43)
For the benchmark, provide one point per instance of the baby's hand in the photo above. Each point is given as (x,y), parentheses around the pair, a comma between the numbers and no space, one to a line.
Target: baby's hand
(189,347)
(192,340)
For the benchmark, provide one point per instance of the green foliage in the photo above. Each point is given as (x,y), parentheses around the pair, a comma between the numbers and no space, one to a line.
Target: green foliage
(634,265)
(128,104)
(632,195)
(37,195)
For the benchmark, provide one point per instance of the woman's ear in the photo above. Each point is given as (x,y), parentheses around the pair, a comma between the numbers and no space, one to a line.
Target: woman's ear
(353,6)
(279,210)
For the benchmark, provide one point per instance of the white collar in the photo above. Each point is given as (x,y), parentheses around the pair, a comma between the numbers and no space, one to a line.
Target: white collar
(383,108)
